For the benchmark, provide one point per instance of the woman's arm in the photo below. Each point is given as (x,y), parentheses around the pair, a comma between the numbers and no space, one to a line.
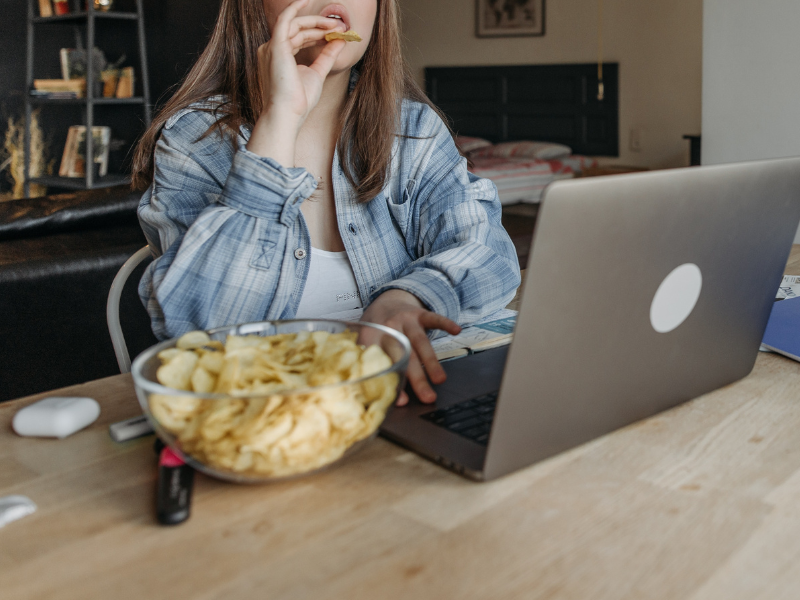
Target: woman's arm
(226,221)
(222,224)
(465,265)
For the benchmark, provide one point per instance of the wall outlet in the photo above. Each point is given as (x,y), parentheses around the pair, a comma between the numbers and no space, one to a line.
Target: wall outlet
(635,140)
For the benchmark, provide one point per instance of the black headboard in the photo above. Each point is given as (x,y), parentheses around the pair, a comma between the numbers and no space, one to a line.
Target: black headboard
(551,103)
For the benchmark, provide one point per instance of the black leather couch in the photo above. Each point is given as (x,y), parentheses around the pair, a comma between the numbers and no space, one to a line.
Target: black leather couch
(58,257)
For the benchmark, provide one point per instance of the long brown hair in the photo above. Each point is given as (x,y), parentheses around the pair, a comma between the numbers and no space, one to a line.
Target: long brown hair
(229,66)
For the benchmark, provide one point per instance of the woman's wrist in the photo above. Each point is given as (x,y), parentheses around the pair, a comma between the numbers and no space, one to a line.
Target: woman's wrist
(398,295)
(275,136)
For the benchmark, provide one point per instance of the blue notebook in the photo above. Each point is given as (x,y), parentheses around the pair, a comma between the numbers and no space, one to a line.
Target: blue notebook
(783,329)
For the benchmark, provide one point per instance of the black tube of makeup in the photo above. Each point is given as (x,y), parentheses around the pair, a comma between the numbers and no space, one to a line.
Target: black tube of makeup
(174,496)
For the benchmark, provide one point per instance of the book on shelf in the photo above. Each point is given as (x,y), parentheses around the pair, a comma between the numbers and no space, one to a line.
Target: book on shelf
(125,83)
(61,7)
(491,332)
(65,63)
(110,79)
(45,8)
(77,86)
(73,159)
(55,95)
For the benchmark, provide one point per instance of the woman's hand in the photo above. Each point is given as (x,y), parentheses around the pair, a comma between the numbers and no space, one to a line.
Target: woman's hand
(289,90)
(402,311)
(286,86)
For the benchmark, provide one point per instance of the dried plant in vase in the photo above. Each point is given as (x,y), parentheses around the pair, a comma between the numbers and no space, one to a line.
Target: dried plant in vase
(14,149)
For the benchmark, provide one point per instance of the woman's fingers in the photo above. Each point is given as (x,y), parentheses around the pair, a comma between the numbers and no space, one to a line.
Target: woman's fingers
(284,20)
(431,320)
(326,59)
(423,363)
(314,22)
(419,381)
(402,399)
(306,38)
(289,24)
(427,356)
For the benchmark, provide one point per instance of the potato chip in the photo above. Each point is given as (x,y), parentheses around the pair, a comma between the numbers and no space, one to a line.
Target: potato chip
(271,433)
(212,362)
(168,354)
(173,411)
(202,381)
(342,408)
(347,36)
(261,427)
(192,340)
(177,373)
(373,361)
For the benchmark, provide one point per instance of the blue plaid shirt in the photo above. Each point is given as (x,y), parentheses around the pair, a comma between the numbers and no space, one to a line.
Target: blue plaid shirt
(231,244)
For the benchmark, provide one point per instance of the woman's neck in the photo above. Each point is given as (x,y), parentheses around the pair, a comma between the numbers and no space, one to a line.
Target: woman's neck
(315,150)
(326,115)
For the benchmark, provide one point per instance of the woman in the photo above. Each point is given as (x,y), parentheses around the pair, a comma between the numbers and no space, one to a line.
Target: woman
(294,177)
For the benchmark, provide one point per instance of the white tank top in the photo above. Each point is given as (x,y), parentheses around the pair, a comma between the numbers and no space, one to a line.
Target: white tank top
(331,291)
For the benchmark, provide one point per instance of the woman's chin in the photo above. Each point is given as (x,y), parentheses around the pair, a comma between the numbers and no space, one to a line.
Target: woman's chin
(342,65)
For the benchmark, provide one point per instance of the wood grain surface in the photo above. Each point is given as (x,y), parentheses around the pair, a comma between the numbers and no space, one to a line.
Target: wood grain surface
(700,502)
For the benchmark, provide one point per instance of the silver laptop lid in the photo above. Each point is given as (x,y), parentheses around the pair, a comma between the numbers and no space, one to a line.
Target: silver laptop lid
(592,350)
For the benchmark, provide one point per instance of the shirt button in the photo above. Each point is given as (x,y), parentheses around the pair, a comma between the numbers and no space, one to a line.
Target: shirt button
(352,229)
(299,254)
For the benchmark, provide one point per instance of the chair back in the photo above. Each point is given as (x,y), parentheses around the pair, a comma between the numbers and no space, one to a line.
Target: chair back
(112,308)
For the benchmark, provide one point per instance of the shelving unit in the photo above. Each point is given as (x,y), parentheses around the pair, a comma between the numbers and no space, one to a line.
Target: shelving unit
(79,19)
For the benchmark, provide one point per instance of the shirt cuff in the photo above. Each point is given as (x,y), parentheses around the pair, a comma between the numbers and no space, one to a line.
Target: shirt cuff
(432,288)
(263,188)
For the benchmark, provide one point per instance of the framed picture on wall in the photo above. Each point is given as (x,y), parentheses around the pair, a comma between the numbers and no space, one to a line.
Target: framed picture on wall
(502,18)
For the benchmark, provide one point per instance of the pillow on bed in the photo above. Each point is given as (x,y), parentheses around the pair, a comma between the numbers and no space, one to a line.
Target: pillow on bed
(468,145)
(525,149)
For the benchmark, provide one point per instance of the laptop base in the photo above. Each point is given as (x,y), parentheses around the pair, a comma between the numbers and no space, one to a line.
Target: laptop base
(469,377)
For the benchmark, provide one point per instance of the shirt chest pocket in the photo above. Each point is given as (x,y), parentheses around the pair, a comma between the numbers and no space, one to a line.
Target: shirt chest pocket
(400,208)
(265,249)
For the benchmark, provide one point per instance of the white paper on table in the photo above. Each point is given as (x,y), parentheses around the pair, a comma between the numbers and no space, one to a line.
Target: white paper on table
(476,337)
(447,348)
(790,287)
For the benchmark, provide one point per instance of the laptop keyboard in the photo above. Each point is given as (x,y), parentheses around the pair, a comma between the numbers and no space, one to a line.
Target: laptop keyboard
(471,419)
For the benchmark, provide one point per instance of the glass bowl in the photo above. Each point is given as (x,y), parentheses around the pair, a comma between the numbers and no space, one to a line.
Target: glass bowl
(247,437)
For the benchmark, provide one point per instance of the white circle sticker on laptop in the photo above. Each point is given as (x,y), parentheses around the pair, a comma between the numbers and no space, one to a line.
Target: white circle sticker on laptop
(676,297)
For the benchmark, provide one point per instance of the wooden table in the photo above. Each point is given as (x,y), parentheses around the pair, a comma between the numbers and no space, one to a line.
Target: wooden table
(700,502)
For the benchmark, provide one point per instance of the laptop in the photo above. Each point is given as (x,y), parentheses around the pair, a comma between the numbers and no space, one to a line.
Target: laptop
(642,291)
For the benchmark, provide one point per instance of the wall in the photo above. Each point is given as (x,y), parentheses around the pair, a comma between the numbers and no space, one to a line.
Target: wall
(751,90)
(658,44)
(751,81)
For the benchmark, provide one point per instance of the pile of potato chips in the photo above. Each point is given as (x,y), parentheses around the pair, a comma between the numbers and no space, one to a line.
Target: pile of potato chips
(261,428)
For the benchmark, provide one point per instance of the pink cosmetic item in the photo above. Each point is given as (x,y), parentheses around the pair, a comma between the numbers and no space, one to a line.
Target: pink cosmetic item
(175,482)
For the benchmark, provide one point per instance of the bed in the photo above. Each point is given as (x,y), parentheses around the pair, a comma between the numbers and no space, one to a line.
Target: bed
(521,176)
(524,127)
